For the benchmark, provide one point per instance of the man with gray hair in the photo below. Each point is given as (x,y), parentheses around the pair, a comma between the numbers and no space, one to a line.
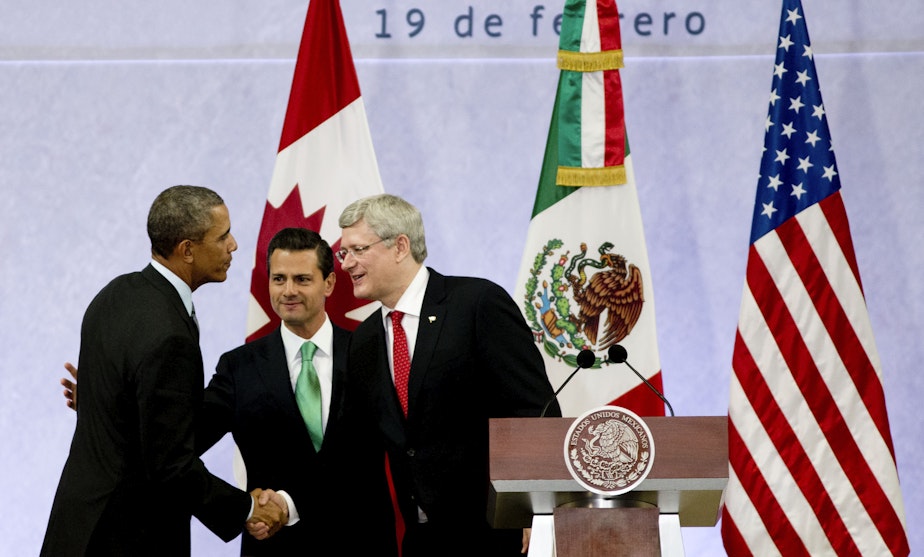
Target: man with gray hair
(443,356)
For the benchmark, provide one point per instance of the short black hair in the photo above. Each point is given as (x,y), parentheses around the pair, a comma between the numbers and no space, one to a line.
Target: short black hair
(302,239)
(180,213)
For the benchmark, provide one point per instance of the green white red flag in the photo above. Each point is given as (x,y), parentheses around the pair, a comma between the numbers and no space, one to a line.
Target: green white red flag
(584,281)
(591,130)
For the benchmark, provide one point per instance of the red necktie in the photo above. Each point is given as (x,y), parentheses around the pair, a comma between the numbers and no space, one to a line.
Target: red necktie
(400,358)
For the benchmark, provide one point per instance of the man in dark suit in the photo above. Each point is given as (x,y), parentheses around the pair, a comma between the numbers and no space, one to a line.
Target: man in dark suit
(252,395)
(132,479)
(470,356)
(337,493)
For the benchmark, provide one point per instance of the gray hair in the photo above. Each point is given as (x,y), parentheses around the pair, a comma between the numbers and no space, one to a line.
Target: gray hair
(389,216)
(180,213)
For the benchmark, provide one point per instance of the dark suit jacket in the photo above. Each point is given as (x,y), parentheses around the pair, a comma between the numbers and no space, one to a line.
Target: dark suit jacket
(475,359)
(340,491)
(132,478)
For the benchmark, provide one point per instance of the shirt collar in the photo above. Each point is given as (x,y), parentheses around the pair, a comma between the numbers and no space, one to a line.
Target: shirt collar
(323,338)
(182,288)
(411,302)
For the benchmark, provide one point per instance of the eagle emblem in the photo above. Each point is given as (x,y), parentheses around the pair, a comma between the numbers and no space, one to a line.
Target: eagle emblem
(609,450)
(582,302)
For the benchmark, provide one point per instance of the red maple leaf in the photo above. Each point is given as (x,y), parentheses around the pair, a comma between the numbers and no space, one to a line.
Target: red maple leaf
(291,214)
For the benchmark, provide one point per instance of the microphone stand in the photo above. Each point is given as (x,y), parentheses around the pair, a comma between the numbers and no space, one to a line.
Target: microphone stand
(650,386)
(618,355)
(585,359)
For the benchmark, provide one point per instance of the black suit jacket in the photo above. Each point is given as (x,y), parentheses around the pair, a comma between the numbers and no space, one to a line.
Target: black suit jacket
(132,478)
(475,359)
(340,491)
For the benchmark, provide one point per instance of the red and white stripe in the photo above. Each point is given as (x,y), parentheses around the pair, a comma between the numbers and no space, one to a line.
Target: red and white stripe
(602,130)
(812,469)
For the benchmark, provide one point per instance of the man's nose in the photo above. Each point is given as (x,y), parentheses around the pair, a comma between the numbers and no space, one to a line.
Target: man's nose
(349,261)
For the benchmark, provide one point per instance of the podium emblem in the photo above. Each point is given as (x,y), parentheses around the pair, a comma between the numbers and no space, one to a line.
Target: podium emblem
(609,450)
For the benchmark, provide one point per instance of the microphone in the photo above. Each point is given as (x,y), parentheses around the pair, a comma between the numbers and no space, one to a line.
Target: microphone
(585,359)
(618,355)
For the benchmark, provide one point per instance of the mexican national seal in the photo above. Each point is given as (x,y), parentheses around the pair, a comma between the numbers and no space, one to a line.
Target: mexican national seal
(609,450)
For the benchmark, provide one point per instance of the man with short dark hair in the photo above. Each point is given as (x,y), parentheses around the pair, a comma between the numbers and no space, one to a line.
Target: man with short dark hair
(254,395)
(333,479)
(132,479)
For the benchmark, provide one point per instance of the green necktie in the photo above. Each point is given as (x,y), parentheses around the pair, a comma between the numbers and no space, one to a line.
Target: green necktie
(308,395)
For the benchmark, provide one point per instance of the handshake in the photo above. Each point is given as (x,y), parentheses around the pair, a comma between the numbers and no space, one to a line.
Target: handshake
(270,513)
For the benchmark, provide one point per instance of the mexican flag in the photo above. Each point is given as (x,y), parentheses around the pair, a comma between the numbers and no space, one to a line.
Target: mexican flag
(584,280)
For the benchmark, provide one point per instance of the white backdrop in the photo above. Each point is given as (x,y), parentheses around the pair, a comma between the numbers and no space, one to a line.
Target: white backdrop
(105,103)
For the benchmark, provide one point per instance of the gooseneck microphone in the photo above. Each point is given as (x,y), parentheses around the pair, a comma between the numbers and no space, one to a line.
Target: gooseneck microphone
(585,359)
(618,355)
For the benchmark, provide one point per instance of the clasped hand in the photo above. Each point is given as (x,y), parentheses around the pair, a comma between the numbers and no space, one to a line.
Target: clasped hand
(270,513)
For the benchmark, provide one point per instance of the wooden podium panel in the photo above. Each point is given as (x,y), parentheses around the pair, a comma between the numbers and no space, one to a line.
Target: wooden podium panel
(529,476)
(627,532)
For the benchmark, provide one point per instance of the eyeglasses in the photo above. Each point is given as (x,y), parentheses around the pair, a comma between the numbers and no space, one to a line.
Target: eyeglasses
(356,251)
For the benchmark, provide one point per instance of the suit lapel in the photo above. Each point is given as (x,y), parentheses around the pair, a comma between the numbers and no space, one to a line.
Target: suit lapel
(163,285)
(274,372)
(432,314)
(340,347)
(372,341)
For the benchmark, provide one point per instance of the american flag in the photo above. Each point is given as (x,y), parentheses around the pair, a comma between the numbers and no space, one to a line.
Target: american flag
(811,463)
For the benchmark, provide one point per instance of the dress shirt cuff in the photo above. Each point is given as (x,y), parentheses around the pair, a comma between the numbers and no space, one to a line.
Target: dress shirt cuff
(293,512)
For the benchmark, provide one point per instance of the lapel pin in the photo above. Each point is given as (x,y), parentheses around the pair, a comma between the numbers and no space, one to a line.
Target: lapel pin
(431,319)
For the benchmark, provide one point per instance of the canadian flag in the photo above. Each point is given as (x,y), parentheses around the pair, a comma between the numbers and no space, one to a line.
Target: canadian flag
(325,161)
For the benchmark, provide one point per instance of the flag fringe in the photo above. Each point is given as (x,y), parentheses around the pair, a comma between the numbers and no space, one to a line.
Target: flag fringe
(590,61)
(604,176)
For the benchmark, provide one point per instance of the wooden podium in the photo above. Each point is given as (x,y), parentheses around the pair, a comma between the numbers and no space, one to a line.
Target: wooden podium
(529,477)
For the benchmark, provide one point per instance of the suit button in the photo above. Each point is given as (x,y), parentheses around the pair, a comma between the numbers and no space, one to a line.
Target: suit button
(410,453)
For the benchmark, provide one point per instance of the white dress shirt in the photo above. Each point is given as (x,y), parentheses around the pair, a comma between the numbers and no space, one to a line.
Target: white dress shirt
(323,361)
(410,303)
(182,288)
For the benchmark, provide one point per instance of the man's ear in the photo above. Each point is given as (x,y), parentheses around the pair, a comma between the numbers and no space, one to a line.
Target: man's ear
(403,245)
(184,251)
(329,283)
